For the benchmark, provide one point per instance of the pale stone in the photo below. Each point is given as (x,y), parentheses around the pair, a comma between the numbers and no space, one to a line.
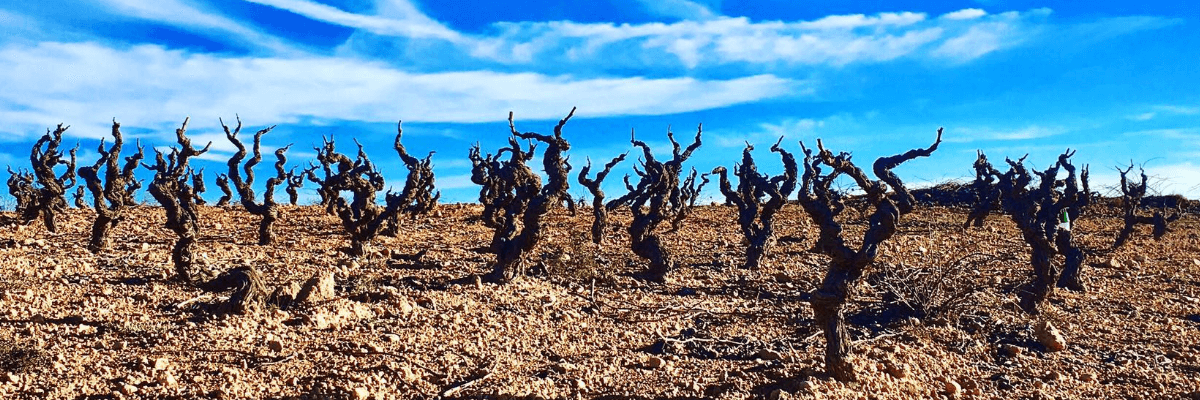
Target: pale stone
(166,378)
(1049,336)
(161,364)
(769,355)
(318,288)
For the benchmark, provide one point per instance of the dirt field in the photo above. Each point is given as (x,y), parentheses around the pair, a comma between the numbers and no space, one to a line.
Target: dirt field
(78,325)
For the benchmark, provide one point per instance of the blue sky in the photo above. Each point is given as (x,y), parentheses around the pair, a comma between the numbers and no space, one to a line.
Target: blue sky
(1119,81)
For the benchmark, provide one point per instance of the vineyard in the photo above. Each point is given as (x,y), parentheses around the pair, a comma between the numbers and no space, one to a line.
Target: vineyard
(1022,284)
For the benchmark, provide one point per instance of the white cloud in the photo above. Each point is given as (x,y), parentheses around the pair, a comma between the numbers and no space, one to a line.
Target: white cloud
(1179,110)
(966,13)
(1165,109)
(832,40)
(1176,134)
(179,13)
(16,23)
(682,9)
(702,38)
(1104,28)
(986,35)
(1143,116)
(767,133)
(451,182)
(397,18)
(1030,132)
(968,135)
(153,87)
(853,21)
(976,42)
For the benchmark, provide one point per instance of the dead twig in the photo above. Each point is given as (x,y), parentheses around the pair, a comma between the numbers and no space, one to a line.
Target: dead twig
(470,381)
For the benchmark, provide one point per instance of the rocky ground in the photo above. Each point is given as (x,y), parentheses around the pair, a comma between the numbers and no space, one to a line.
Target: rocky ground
(936,318)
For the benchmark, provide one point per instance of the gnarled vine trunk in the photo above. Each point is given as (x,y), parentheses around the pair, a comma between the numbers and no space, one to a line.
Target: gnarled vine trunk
(847,265)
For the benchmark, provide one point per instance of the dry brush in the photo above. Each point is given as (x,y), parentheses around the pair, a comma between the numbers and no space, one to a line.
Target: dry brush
(1132,194)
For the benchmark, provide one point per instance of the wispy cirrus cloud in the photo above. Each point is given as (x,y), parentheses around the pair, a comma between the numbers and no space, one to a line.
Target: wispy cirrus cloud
(833,40)
(152,86)
(1146,116)
(984,36)
(682,9)
(1179,110)
(969,135)
(790,129)
(1187,134)
(1170,110)
(179,13)
(396,18)
(704,39)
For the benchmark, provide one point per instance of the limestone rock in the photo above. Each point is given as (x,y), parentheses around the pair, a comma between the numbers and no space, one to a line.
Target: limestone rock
(161,364)
(1049,336)
(166,378)
(318,288)
(284,296)
(768,355)
(319,321)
